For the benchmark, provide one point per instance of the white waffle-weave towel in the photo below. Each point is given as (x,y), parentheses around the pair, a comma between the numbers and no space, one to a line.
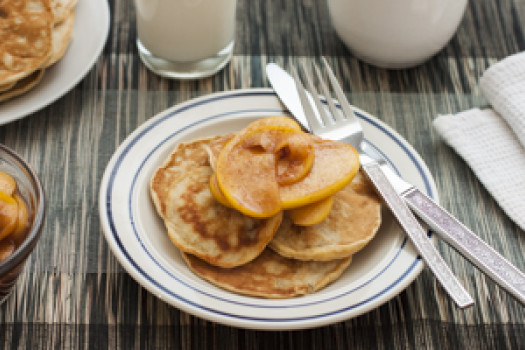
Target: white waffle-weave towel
(492,141)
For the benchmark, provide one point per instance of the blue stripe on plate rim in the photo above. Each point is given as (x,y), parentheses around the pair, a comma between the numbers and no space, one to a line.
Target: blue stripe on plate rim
(242,94)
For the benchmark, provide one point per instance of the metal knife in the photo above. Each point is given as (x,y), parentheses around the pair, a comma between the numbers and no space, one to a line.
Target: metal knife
(442,222)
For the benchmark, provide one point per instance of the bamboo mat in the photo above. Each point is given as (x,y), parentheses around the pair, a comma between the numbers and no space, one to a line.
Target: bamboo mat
(74,295)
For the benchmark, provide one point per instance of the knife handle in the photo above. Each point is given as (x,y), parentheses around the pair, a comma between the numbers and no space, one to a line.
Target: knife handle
(468,243)
(417,235)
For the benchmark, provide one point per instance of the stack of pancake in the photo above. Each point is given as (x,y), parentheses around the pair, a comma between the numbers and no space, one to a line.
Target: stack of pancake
(272,257)
(34,35)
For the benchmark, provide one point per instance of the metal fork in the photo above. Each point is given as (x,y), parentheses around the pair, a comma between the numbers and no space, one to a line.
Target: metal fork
(347,128)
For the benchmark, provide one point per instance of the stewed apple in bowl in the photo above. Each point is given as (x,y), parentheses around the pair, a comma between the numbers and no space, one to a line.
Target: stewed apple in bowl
(22,211)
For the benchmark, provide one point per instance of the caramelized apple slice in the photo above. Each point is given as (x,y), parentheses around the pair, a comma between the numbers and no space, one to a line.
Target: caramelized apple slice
(312,214)
(247,180)
(249,176)
(335,165)
(295,158)
(246,166)
(216,191)
(7,248)
(293,150)
(7,183)
(276,121)
(8,214)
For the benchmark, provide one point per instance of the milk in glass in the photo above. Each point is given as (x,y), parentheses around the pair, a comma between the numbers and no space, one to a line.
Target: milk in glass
(185,34)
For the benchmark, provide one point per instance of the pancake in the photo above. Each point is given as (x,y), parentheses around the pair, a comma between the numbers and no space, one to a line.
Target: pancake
(62,9)
(353,221)
(184,156)
(5,87)
(271,275)
(61,37)
(195,221)
(214,148)
(25,37)
(22,86)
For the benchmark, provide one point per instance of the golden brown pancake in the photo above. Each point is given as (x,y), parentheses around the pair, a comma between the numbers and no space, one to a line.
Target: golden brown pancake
(25,37)
(271,275)
(195,221)
(214,148)
(61,9)
(61,35)
(22,86)
(5,87)
(353,221)
(184,156)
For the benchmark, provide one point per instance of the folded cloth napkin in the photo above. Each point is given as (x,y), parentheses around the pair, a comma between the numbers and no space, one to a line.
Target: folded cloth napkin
(492,141)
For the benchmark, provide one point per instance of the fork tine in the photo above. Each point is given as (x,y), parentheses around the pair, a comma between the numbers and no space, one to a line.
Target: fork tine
(309,112)
(336,115)
(347,110)
(325,118)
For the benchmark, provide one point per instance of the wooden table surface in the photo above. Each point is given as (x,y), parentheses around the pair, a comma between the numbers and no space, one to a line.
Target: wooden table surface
(73,292)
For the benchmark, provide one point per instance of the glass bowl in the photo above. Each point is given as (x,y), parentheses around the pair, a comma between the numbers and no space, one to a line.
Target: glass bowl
(30,190)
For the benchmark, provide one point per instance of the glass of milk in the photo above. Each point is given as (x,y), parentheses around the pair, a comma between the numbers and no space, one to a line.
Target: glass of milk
(185,39)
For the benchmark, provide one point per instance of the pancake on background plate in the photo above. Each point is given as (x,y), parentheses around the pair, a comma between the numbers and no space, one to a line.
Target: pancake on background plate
(61,37)
(34,35)
(195,221)
(271,275)
(25,38)
(61,9)
(22,85)
(5,87)
(353,221)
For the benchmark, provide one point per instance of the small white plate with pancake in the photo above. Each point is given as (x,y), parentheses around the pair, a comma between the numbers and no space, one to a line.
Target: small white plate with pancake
(138,238)
(90,31)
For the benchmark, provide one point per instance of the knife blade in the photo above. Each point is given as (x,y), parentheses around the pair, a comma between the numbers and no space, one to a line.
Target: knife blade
(441,221)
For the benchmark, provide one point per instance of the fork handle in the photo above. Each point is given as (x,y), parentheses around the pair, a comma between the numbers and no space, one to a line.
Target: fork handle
(417,235)
(468,244)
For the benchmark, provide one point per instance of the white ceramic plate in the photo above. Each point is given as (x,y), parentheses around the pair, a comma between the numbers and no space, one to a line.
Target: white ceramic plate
(90,31)
(138,239)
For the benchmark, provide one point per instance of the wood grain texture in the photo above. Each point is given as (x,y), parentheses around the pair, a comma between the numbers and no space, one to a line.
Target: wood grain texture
(74,295)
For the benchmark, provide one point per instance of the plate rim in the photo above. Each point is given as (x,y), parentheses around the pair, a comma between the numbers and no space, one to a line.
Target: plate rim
(31,107)
(201,310)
